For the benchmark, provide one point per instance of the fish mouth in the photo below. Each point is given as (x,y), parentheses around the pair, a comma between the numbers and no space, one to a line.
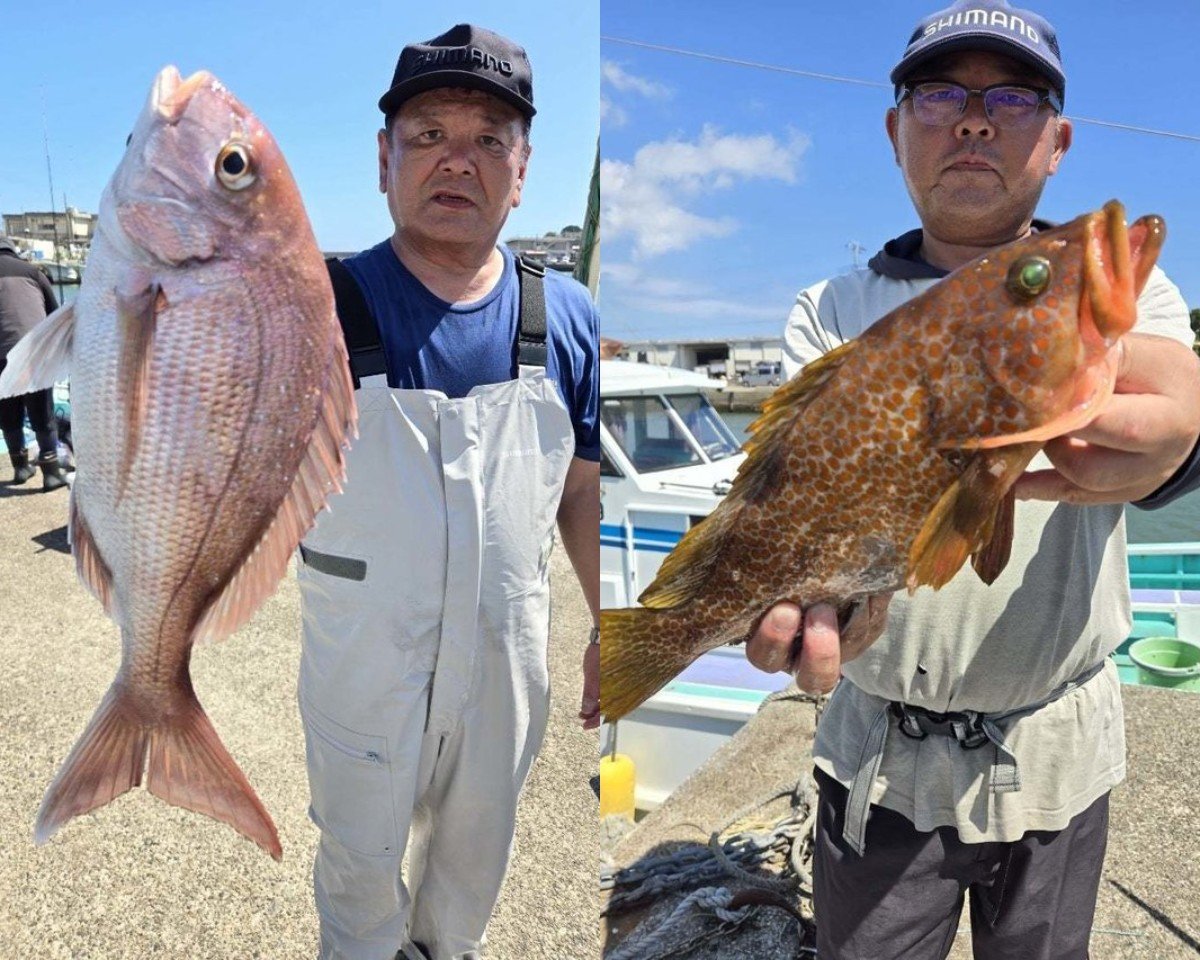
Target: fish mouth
(171,94)
(1117,262)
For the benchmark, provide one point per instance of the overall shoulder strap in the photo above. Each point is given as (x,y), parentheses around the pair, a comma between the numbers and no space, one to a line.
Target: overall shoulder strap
(358,324)
(531,339)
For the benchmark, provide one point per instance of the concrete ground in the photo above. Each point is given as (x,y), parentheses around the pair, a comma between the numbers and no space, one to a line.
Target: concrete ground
(141,879)
(1149,900)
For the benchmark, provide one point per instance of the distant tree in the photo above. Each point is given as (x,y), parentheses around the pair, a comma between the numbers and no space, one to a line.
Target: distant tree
(1196,321)
(549,233)
(572,229)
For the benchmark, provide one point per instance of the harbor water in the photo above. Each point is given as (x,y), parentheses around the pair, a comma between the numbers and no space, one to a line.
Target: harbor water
(1178,522)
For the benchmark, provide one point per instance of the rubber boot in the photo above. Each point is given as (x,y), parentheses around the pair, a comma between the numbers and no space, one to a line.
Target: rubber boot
(22,468)
(52,475)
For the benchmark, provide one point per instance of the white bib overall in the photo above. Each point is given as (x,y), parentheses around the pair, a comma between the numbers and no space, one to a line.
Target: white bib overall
(423,681)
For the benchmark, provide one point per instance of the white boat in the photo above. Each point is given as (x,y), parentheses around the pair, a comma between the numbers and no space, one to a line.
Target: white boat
(667,460)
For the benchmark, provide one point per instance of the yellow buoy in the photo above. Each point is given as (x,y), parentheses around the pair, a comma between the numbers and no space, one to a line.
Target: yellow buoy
(616,786)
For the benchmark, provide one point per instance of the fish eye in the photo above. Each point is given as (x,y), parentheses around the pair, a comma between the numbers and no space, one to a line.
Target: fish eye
(235,165)
(1028,277)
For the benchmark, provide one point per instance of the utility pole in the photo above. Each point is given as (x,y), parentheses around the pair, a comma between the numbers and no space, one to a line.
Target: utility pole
(855,249)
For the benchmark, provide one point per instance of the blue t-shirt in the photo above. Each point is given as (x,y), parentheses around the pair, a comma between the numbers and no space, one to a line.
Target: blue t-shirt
(430,344)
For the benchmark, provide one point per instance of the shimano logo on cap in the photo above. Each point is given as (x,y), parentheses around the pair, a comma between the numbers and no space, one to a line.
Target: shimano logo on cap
(462,55)
(985,18)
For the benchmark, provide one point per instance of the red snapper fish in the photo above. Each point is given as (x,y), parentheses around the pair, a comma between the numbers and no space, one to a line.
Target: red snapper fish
(210,401)
(890,461)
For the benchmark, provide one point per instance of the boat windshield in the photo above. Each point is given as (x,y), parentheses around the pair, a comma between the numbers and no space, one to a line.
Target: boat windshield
(649,435)
(713,434)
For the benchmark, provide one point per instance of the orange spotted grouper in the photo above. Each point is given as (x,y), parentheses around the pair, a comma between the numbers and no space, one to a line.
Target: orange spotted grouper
(891,460)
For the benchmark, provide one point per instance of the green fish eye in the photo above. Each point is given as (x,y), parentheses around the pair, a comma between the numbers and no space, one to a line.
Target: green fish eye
(1029,277)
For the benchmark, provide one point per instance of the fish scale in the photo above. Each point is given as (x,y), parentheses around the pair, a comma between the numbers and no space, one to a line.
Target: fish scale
(890,461)
(211,401)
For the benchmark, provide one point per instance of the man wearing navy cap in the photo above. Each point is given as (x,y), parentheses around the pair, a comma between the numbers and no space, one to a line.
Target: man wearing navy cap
(977,731)
(424,588)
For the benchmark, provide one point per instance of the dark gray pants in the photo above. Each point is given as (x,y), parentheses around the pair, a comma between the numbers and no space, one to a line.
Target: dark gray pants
(1031,899)
(40,407)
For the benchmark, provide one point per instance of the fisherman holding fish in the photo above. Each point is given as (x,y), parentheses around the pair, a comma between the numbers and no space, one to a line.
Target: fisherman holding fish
(1015,811)
(423,683)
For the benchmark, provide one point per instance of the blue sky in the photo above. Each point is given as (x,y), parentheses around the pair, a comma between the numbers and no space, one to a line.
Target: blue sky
(728,189)
(312,72)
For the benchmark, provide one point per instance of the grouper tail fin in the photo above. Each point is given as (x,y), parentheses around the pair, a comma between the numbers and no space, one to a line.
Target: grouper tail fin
(641,651)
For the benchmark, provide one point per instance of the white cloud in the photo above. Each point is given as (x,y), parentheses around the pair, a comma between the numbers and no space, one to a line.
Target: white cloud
(617,77)
(645,199)
(634,291)
(611,114)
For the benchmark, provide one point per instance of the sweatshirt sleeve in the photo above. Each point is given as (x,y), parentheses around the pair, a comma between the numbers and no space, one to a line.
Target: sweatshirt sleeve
(806,337)
(1163,312)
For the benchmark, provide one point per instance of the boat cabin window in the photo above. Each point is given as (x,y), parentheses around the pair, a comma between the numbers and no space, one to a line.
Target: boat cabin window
(607,467)
(648,434)
(713,434)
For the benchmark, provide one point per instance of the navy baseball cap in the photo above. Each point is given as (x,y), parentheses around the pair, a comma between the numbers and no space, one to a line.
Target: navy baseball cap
(463,56)
(985,25)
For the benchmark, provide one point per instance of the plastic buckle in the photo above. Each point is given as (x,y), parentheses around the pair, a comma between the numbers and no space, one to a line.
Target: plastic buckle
(969,732)
(908,723)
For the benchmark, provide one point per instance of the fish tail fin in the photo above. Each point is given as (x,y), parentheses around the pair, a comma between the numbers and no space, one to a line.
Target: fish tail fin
(641,651)
(188,766)
(106,762)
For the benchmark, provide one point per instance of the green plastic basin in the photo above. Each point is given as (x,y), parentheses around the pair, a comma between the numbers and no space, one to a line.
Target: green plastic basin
(1167,662)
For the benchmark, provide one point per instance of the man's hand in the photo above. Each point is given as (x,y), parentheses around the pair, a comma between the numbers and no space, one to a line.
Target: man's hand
(589,708)
(1145,432)
(822,649)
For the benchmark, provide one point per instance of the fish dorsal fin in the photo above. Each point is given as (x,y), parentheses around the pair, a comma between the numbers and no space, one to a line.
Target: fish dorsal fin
(321,473)
(42,357)
(137,318)
(688,567)
(973,516)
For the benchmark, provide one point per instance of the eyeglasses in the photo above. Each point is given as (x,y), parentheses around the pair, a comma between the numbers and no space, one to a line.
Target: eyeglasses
(940,103)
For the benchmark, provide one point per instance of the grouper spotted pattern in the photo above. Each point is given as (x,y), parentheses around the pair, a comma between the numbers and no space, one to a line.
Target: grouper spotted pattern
(890,461)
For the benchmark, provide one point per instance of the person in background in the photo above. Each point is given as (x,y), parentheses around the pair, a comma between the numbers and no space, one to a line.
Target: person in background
(424,588)
(977,731)
(26,299)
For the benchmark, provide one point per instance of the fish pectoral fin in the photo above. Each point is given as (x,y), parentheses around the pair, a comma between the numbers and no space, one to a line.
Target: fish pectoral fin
(970,518)
(89,564)
(641,651)
(990,560)
(321,473)
(42,357)
(137,318)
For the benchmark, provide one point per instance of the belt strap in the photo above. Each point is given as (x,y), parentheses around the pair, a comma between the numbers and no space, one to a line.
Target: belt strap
(1005,776)
(345,567)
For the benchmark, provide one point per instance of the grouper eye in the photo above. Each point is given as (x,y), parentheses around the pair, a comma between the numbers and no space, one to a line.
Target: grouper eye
(235,165)
(1028,277)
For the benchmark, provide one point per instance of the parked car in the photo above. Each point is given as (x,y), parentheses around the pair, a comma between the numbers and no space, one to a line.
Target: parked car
(765,373)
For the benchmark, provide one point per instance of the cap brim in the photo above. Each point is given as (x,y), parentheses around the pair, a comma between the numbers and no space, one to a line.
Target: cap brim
(391,101)
(910,64)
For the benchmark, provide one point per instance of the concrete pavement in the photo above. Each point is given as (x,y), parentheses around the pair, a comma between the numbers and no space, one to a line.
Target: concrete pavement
(142,879)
